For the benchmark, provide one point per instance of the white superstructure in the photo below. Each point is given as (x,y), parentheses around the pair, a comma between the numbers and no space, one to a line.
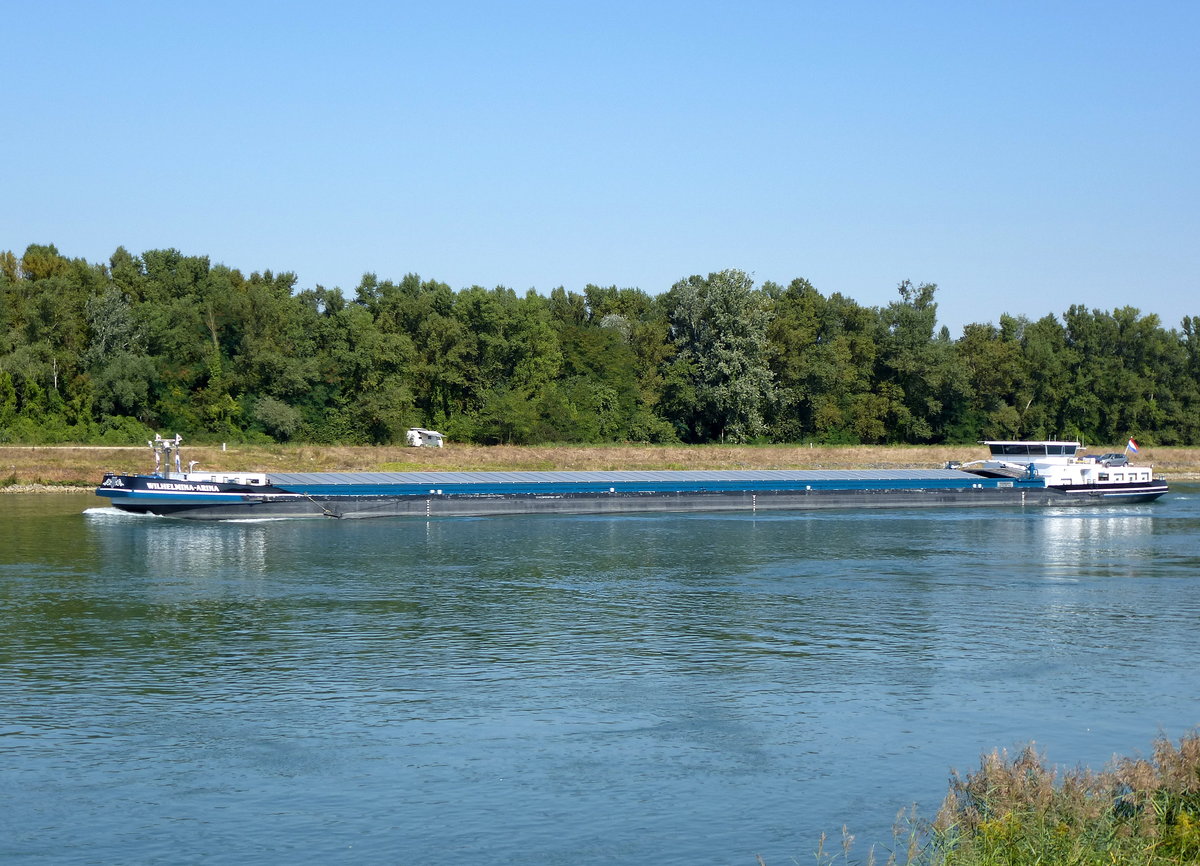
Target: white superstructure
(1060,463)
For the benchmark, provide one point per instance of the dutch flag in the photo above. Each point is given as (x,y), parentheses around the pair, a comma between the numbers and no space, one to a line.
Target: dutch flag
(1132,446)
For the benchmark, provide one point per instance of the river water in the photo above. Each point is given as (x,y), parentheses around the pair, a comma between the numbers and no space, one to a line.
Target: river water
(663,689)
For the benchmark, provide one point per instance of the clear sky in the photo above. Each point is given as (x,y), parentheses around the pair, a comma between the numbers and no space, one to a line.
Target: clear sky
(1024,156)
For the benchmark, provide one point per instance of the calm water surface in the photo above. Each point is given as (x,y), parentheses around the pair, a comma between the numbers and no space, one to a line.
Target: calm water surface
(563,690)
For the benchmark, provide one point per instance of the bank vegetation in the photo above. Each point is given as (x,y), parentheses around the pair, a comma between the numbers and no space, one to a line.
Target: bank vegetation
(1018,810)
(112,352)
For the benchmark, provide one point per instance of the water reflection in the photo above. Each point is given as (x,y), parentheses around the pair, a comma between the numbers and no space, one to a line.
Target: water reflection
(1096,544)
(179,548)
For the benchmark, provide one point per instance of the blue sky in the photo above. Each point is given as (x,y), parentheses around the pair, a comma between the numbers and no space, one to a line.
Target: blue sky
(1023,156)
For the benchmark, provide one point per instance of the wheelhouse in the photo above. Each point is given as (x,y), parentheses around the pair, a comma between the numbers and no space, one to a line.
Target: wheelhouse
(1031,452)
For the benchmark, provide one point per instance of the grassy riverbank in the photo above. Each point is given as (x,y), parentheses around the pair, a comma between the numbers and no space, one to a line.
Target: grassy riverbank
(67,466)
(1019,810)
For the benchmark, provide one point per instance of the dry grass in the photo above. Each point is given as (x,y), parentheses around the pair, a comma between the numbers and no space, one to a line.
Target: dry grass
(1015,810)
(1020,810)
(84,466)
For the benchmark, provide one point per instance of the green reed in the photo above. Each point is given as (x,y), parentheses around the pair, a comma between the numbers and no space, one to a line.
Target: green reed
(1019,810)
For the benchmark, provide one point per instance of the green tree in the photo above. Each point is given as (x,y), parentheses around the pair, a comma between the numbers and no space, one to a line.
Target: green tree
(125,384)
(8,400)
(720,382)
(275,354)
(917,374)
(822,352)
(1125,372)
(1048,365)
(278,419)
(644,324)
(999,392)
(595,396)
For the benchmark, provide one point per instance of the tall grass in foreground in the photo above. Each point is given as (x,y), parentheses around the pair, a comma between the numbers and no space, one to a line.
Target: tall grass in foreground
(1019,810)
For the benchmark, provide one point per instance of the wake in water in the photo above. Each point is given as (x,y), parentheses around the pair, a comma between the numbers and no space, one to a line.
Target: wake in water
(107,513)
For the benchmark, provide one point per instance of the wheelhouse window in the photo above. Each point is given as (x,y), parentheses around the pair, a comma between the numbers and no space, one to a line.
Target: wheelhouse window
(1017,449)
(1032,449)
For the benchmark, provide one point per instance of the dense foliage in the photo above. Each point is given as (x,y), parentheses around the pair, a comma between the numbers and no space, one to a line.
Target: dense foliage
(110,352)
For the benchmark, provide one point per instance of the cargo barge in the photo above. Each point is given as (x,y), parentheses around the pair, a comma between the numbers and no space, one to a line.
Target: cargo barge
(1040,473)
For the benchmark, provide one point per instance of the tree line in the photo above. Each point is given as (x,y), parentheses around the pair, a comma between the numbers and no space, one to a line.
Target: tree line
(110,352)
